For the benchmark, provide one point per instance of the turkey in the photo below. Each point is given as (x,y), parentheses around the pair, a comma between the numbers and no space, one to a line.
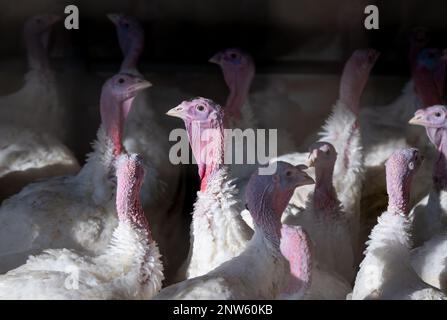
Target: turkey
(324,218)
(218,232)
(385,272)
(269,271)
(163,189)
(72,211)
(238,69)
(343,132)
(32,118)
(385,129)
(129,268)
(430,214)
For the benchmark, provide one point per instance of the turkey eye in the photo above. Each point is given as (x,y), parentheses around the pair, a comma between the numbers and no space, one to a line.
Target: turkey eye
(121,80)
(437,114)
(200,107)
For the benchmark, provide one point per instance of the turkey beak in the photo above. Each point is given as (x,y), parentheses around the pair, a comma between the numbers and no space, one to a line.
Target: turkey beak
(178,112)
(418,120)
(113,17)
(216,58)
(140,85)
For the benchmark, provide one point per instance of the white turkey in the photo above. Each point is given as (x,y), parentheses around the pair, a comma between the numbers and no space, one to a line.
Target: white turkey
(386,272)
(430,214)
(33,119)
(238,69)
(343,132)
(384,129)
(260,271)
(218,232)
(163,188)
(74,212)
(129,268)
(324,218)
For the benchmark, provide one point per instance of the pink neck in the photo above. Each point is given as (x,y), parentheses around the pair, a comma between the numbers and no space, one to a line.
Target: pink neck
(267,215)
(398,189)
(325,197)
(349,96)
(128,204)
(295,247)
(235,102)
(113,115)
(208,150)
(37,54)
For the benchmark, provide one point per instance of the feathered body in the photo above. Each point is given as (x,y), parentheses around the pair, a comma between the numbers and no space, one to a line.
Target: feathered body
(218,232)
(386,272)
(33,119)
(163,189)
(72,211)
(129,268)
(269,271)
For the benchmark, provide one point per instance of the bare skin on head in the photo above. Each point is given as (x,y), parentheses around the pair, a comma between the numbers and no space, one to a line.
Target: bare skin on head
(116,100)
(238,70)
(204,124)
(400,170)
(355,76)
(434,119)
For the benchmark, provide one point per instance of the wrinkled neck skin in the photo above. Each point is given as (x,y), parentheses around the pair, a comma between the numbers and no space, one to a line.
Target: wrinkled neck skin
(439,138)
(114,114)
(398,189)
(37,53)
(129,207)
(325,197)
(207,144)
(239,86)
(267,216)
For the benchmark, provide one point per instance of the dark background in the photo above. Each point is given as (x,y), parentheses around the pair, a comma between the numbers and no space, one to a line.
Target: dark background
(283,35)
